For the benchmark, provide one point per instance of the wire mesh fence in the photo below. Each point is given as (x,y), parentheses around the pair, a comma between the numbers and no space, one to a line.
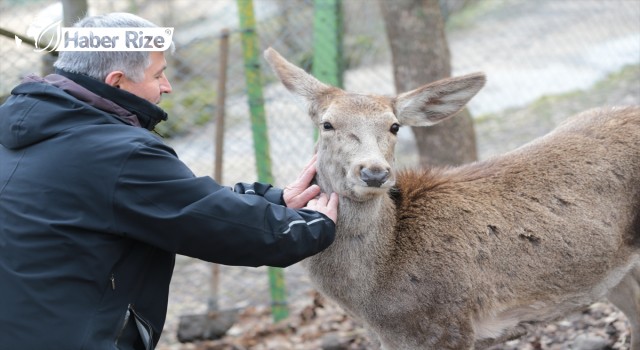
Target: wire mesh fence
(528,49)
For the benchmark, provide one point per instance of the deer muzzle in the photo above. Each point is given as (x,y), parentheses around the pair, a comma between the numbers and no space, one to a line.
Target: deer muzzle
(374,177)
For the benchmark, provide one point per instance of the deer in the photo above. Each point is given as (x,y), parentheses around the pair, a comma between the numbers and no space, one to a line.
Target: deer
(469,256)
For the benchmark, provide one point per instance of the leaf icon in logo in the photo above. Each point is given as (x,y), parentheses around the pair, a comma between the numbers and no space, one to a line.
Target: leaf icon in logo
(48,38)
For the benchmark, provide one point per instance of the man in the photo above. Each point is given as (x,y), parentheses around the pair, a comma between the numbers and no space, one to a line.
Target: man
(94,207)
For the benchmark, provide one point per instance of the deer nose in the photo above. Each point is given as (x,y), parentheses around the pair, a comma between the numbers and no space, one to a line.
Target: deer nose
(374,177)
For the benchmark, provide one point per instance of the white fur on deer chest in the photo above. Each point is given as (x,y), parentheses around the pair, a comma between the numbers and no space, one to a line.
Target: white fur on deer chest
(347,270)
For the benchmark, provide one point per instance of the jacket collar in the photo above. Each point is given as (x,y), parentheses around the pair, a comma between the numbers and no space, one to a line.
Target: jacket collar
(148,114)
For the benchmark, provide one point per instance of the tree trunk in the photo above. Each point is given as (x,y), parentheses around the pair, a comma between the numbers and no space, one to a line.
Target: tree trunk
(415,29)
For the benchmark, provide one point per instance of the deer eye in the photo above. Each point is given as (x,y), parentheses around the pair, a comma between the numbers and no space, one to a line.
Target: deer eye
(327,126)
(395,127)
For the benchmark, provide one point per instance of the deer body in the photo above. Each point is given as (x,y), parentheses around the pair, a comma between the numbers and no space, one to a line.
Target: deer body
(469,256)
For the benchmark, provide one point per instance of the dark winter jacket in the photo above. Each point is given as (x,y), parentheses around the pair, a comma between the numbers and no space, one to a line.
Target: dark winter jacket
(94,207)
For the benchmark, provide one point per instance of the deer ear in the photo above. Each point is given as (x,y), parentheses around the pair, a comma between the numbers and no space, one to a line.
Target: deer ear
(299,82)
(435,102)
(295,79)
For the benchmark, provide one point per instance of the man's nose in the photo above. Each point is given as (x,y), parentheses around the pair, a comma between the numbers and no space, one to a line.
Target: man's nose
(166,86)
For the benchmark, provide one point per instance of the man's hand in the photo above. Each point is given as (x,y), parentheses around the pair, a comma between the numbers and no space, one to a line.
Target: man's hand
(299,193)
(326,205)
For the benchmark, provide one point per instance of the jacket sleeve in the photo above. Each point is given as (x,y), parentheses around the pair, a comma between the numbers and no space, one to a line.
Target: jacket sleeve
(158,200)
(270,193)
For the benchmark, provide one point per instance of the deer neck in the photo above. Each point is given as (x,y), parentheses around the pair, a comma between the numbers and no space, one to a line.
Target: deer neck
(359,254)
(365,220)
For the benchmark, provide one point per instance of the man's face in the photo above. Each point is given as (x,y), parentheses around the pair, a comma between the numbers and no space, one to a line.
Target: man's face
(154,84)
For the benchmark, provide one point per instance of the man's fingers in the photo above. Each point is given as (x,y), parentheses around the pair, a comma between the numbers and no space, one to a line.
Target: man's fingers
(322,200)
(333,200)
(305,197)
(298,193)
(308,172)
(312,162)
(309,193)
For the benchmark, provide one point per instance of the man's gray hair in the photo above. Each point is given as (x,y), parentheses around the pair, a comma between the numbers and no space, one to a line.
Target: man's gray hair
(98,64)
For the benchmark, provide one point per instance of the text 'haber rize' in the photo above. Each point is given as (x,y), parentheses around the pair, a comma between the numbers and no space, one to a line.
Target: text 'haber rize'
(132,40)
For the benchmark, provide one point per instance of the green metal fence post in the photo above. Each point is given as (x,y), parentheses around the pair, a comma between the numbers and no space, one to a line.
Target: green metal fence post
(327,42)
(260,135)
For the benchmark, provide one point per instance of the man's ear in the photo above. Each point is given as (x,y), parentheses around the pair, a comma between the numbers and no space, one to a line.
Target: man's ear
(114,78)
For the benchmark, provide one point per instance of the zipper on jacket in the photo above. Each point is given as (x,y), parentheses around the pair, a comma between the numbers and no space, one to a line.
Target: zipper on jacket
(113,281)
(124,324)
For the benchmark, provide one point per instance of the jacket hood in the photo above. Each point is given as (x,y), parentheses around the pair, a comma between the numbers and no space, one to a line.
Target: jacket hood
(40,108)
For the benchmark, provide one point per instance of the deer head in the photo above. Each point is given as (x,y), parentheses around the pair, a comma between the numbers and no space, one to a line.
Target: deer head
(358,132)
